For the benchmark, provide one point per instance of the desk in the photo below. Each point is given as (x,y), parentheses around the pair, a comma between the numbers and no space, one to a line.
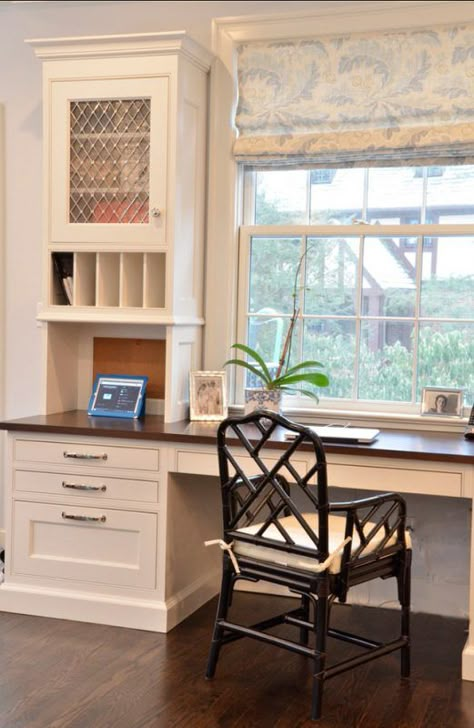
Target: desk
(106,518)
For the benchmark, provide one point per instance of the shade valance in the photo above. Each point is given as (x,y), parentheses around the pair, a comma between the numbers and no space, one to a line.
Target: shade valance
(361,98)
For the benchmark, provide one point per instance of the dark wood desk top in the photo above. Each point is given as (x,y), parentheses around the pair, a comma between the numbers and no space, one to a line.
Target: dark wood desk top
(416,445)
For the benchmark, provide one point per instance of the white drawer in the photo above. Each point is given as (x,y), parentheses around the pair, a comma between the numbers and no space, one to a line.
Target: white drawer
(119,548)
(400,480)
(86,453)
(206,463)
(104,487)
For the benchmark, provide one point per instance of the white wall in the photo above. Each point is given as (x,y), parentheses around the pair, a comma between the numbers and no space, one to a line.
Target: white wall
(441,575)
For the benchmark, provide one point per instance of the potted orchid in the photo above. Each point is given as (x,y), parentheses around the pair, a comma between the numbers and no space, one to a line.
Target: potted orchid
(286,379)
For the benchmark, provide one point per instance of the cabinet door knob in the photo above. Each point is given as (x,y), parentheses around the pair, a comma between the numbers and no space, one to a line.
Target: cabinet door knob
(155,212)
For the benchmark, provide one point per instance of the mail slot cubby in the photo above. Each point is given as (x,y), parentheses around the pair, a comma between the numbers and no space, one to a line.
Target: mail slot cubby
(131,280)
(154,280)
(84,279)
(108,280)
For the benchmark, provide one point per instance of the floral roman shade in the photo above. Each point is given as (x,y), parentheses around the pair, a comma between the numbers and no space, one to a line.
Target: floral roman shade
(358,99)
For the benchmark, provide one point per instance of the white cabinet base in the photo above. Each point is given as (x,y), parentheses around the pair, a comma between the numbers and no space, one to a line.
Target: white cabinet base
(154,616)
(99,530)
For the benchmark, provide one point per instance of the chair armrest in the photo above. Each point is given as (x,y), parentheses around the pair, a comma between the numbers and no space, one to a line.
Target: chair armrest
(385,513)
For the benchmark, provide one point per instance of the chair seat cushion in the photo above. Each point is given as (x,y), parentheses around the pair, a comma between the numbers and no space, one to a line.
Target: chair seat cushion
(307,563)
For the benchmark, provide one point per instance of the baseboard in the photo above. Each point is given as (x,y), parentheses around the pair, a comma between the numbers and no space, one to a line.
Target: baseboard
(468,662)
(186,601)
(84,607)
(150,615)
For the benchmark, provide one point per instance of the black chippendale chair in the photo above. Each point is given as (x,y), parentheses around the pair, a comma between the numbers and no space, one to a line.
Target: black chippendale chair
(279,527)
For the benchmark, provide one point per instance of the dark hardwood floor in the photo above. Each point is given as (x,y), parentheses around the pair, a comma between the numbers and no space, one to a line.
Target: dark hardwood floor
(61,674)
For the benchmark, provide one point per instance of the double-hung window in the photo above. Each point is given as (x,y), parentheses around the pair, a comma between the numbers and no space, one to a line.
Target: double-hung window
(385,290)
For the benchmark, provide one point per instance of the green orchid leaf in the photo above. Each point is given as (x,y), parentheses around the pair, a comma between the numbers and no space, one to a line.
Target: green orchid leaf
(306,392)
(304,365)
(309,393)
(258,373)
(264,374)
(316,378)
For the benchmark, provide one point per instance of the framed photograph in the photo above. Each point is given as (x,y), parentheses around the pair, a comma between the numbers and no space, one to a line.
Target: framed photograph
(441,402)
(207,396)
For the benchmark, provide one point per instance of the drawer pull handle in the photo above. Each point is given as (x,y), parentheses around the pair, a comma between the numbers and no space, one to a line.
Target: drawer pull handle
(84,456)
(74,517)
(84,486)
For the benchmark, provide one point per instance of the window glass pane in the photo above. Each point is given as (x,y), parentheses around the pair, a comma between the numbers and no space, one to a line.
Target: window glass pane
(424,327)
(395,195)
(332,342)
(447,289)
(449,197)
(331,276)
(273,265)
(389,277)
(445,357)
(385,365)
(336,195)
(281,197)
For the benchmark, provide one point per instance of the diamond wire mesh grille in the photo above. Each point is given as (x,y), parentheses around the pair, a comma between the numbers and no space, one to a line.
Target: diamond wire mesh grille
(109,167)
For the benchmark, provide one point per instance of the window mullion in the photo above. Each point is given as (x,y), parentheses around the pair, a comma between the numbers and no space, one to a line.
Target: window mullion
(358,314)
(302,302)
(416,326)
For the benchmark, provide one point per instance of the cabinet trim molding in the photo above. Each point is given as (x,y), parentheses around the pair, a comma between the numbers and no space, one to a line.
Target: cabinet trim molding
(141,44)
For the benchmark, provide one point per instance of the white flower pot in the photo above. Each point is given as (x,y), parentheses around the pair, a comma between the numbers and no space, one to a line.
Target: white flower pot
(269,399)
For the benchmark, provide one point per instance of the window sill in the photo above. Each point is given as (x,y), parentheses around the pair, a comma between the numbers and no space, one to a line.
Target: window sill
(382,420)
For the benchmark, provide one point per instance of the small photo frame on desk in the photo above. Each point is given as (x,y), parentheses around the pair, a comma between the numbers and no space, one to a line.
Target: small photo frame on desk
(115,395)
(441,402)
(207,396)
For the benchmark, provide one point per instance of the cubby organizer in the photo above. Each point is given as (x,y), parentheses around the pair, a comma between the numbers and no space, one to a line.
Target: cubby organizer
(108,280)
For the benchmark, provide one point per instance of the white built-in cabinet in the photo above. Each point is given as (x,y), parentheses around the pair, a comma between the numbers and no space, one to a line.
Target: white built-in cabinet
(124,200)
(98,530)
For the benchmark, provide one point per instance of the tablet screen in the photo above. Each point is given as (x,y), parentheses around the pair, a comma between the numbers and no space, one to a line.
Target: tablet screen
(117,396)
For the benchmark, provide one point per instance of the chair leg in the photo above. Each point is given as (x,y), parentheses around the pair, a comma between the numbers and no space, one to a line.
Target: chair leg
(404,596)
(222,608)
(321,627)
(304,632)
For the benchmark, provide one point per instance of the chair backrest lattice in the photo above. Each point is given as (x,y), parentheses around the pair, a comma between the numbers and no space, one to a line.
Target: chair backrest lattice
(259,487)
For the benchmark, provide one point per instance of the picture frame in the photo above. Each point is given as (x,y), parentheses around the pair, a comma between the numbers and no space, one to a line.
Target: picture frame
(441,402)
(207,396)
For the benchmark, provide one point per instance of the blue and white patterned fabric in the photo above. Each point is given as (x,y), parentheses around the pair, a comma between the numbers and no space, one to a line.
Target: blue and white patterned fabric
(357,98)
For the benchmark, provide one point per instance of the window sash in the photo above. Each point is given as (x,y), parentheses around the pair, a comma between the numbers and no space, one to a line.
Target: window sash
(247,232)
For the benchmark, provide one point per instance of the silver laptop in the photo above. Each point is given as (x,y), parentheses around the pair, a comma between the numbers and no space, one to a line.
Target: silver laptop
(334,433)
